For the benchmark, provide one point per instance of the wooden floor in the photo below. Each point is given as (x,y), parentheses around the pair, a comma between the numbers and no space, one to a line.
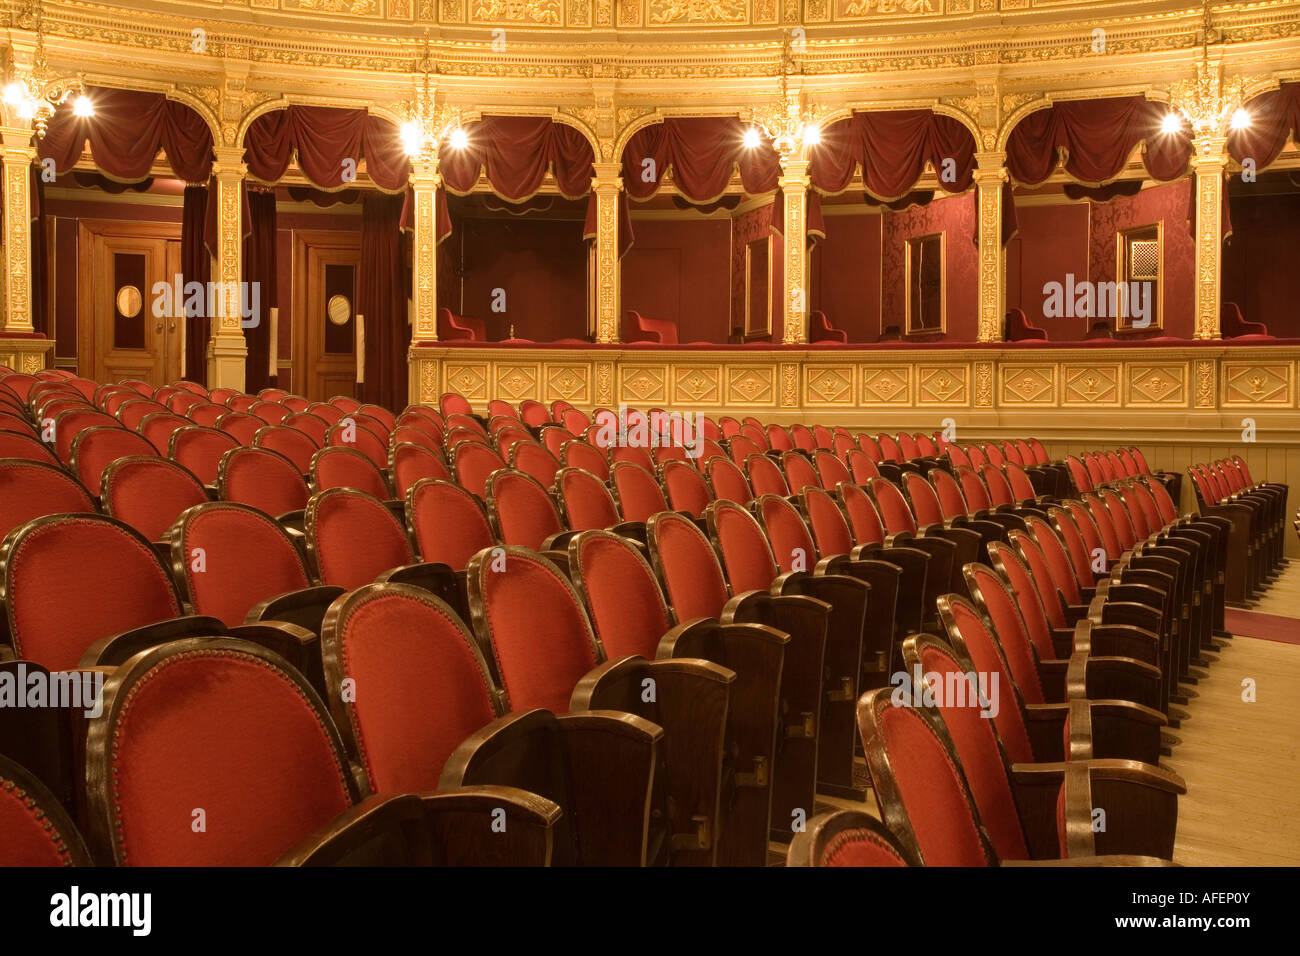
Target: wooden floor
(1241,760)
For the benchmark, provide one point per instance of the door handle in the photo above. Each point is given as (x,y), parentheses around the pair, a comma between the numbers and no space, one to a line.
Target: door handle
(158,327)
(171,326)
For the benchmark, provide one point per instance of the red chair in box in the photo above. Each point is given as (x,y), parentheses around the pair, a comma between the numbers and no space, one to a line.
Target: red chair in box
(460,328)
(641,328)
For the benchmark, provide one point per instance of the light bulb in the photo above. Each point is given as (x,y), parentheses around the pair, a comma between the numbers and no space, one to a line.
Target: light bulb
(1172,123)
(752,138)
(82,106)
(1241,119)
(812,134)
(14,93)
(459,138)
(412,140)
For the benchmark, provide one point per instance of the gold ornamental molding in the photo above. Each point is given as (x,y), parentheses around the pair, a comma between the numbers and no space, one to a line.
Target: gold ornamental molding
(1161,389)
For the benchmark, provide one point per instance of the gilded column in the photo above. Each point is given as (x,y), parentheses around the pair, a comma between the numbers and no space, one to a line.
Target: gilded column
(608,186)
(990,180)
(794,193)
(18,155)
(422,371)
(1210,162)
(227,352)
(424,273)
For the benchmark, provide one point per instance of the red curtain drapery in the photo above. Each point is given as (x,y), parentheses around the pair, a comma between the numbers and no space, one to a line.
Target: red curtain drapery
(1274,116)
(196,266)
(260,271)
(1093,140)
(703,153)
(382,288)
(516,153)
(892,148)
(125,134)
(324,139)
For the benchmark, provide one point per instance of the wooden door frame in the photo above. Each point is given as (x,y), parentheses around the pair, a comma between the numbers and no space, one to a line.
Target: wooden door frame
(302,240)
(87,230)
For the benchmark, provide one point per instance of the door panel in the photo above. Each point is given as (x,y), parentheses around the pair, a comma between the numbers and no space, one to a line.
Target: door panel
(120,336)
(324,313)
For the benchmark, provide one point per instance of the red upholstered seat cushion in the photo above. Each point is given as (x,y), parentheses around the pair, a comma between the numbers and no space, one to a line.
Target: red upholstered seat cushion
(427,690)
(958,698)
(346,468)
(686,489)
(149,493)
(627,608)
(800,473)
(830,529)
(932,791)
(354,538)
(864,519)
(226,733)
(538,632)
(30,489)
(473,463)
(745,551)
(792,544)
(1000,604)
(892,505)
(411,462)
(98,447)
(449,523)
(983,652)
(639,495)
(61,600)
(28,837)
(262,479)
(525,513)
(765,477)
(247,558)
(728,481)
(859,848)
(692,575)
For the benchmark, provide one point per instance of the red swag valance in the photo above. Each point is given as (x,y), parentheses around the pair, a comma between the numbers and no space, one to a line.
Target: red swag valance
(517,152)
(892,147)
(1274,116)
(323,137)
(1094,139)
(703,153)
(125,134)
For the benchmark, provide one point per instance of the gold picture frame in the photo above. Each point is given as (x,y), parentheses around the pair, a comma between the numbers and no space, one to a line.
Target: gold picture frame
(911,249)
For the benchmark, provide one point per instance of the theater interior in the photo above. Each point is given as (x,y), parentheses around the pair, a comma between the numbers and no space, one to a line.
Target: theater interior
(924,373)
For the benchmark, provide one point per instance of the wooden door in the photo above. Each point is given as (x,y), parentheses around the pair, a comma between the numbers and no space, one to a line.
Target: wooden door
(325,266)
(121,335)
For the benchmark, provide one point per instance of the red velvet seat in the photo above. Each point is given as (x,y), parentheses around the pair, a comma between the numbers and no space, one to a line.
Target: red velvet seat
(1020,329)
(206,413)
(326,412)
(632,455)
(71,422)
(799,472)
(460,328)
(408,463)
(726,481)
(448,523)
(847,838)
(36,830)
(740,448)
(346,468)
(765,477)
(200,449)
(580,454)
(534,460)
(685,488)
(521,511)
(1233,325)
(472,463)
(247,558)
(640,328)
(181,402)
(344,403)
(359,438)
(32,489)
(353,537)
(585,500)
(58,603)
(753,432)
(311,425)
(295,445)
(148,493)
(638,494)
(262,479)
(821,330)
(95,448)
(533,413)
(241,425)
(778,438)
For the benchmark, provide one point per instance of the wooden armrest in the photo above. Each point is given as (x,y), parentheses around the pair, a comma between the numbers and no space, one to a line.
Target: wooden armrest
(116,649)
(490,826)
(297,645)
(382,830)
(1112,678)
(306,607)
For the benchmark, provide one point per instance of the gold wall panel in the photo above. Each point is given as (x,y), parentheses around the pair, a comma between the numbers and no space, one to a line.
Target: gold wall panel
(1092,385)
(942,385)
(471,380)
(886,385)
(1024,384)
(516,382)
(1163,385)
(829,385)
(751,386)
(1249,384)
(696,385)
(570,382)
(643,385)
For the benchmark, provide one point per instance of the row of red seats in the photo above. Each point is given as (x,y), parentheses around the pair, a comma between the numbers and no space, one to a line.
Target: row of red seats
(345,517)
(1258,515)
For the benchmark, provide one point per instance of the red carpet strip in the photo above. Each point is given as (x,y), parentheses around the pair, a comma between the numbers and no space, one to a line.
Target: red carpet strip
(1267,627)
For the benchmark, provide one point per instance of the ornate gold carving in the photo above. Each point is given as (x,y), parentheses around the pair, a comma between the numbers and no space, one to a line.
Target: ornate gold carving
(885,385)
(645,384)
(1157,385)
(469,379)
(424,278)
(1209,163)
(990,180)
(697,11)
(696,385)
(748,386)
(983,384)
(604,383)
(1091,384)
(1250,383)
(1204,384)
(568,382)
(516,382)
(789,385)
(17,284)
(1027,385)
(536,12)
(942,384)
(830,385)
(607,266)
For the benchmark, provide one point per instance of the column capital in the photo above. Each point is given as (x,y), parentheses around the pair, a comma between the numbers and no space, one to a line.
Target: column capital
(229,161)
(17,140)
(607,175)
(425,172)
(1210,150)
